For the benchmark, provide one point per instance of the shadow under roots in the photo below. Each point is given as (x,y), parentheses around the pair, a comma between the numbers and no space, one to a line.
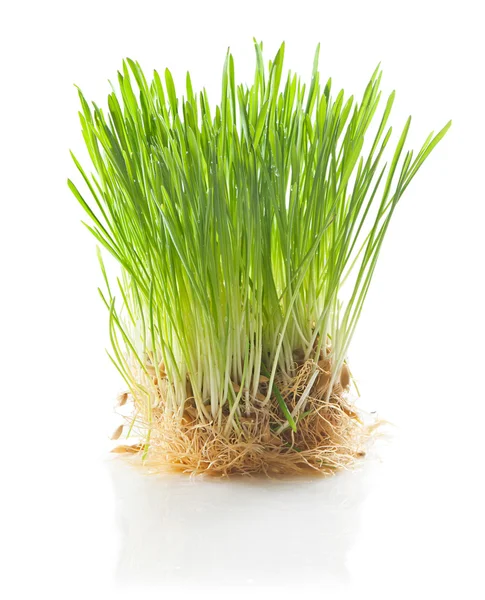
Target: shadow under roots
(239,531)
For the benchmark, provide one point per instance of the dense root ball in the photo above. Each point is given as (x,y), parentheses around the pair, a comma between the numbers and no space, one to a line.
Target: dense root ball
(329,435)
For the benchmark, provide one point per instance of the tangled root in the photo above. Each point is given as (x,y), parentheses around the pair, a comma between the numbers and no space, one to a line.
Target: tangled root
(329,433)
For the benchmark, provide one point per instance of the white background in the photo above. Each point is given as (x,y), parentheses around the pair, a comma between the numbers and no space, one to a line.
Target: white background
(410,523)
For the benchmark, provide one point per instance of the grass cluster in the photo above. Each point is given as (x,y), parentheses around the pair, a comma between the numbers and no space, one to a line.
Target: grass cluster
(236,227)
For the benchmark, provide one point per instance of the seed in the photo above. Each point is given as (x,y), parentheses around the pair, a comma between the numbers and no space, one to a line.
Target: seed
(122,398)
(237,389)
(127,449)
(322,382)
(187,418)
(324,365)
(345,377)
(117,432)
(191,412)
(245,419)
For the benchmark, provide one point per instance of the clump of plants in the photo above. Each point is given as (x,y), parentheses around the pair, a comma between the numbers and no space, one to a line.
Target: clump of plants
(246,234)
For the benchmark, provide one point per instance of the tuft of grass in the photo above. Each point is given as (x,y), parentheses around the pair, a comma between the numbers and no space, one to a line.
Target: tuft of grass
(245,233)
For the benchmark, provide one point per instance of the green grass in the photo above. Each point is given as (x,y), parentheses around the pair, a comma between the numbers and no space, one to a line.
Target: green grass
(235,226)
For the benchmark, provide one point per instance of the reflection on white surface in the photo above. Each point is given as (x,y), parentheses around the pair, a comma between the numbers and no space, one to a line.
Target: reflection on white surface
(245,531)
